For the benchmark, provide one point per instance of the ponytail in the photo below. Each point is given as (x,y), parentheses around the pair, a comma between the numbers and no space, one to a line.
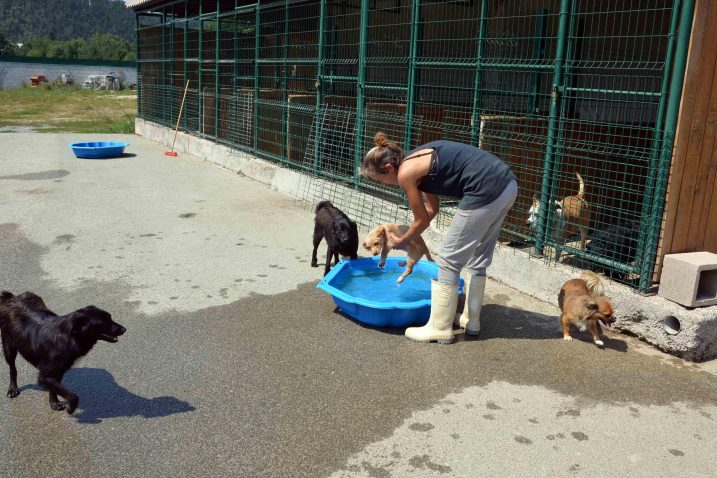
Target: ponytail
(385,152)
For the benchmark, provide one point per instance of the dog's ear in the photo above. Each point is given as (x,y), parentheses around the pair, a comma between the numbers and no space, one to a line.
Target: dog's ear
(591,306)
(80,322)
(84,319)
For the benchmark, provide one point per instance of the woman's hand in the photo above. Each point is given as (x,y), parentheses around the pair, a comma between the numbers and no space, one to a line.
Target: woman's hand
(398,242)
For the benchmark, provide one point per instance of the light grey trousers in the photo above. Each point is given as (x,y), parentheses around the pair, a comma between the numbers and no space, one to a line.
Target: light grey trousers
(472,236)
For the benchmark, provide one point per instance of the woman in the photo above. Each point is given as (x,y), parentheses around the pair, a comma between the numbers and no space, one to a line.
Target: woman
(487,189)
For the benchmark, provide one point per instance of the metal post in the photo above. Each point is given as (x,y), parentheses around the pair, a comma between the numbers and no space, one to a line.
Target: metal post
(475,117)
(412,58)
(545,190)
(284,85)
(139,71)
(186,38)
(562,114)
(658,132)
(538,54)
(333,48)
(235,72)
(200,89)
(257,43)
(360,90)
(171,60)
(663,167)
(216,73)
(164,73)
(319,85)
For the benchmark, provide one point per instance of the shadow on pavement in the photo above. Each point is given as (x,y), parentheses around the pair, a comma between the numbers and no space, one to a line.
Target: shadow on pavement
(102,397)
(504,322)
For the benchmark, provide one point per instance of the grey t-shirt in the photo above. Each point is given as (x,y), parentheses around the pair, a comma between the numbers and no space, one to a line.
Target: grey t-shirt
(463,171)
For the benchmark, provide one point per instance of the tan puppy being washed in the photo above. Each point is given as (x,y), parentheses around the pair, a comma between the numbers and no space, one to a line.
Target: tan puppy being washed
(570,215)
(583,304)
(378,241)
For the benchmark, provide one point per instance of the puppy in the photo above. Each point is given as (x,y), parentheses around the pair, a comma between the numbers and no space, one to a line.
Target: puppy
(583,305)
(570,215)
(378,241)
(50,342)
(340,232)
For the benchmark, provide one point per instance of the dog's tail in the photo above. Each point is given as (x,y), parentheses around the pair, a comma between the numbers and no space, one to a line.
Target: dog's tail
(581,191)
(594,283)
(323,204)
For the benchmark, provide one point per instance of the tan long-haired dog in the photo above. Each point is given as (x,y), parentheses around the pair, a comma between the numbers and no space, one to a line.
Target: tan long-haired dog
(567,216)
(583,304)
(378,241)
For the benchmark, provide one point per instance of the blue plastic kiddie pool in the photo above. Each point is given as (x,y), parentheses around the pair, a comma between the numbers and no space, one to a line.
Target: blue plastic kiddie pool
(369,294)
(98,149)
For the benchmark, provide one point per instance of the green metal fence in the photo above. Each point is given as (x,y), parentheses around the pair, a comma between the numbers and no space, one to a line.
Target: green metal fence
(553,87)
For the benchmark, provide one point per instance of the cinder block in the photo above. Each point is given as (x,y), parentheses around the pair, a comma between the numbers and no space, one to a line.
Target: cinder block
(690,279)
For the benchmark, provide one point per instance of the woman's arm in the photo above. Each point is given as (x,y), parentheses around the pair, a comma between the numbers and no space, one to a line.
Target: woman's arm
(432,205)
(422,213)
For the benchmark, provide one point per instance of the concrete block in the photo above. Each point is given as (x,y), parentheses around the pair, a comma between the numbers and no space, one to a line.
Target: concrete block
(687,333)
(690,279)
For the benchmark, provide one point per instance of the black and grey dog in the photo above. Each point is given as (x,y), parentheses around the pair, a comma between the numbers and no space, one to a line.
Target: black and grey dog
(50,342)
(340,232)
(617,242)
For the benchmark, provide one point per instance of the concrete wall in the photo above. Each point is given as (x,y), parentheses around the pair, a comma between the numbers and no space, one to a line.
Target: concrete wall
(651,318)
(14,74)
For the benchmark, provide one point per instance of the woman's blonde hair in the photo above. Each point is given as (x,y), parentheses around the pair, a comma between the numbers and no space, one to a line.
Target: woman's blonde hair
(385,152)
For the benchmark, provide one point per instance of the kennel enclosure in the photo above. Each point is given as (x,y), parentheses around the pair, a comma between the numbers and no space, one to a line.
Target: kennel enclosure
(552,87)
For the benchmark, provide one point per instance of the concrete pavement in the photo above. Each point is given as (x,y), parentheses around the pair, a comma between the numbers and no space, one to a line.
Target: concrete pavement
(234,364)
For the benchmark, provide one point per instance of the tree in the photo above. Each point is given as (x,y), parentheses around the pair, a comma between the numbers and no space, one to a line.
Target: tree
(108,47)
(6,47)
(65,19)
(102,46)
(36,47)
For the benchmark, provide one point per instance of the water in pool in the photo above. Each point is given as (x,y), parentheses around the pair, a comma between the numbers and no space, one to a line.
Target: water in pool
(379,285)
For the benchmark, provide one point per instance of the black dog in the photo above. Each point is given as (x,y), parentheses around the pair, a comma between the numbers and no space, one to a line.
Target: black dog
(50,342)
(340,232)
(618,243)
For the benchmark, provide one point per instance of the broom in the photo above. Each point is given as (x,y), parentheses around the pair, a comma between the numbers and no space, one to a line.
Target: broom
(176,129)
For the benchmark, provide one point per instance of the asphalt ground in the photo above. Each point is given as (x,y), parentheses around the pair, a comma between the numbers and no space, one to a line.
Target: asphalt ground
(234,364)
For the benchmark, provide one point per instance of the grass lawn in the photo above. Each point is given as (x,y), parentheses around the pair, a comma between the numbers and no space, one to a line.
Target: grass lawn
(68,109)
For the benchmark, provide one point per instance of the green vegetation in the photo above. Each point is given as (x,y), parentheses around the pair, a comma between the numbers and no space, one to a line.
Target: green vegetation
(6,48)
(51,108)
(93,30)
(65,19)
(101,46)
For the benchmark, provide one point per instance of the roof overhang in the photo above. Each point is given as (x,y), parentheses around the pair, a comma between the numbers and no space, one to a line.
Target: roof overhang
(135,4)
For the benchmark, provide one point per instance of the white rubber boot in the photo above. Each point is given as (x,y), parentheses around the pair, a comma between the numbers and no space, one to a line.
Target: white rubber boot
(470,318)
(444,300)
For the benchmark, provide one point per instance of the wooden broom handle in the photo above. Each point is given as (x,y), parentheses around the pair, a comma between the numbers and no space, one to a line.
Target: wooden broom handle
(179,117)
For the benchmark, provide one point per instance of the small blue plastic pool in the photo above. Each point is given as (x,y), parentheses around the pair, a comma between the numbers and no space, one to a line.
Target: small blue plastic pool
(98,149)
(370,294)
